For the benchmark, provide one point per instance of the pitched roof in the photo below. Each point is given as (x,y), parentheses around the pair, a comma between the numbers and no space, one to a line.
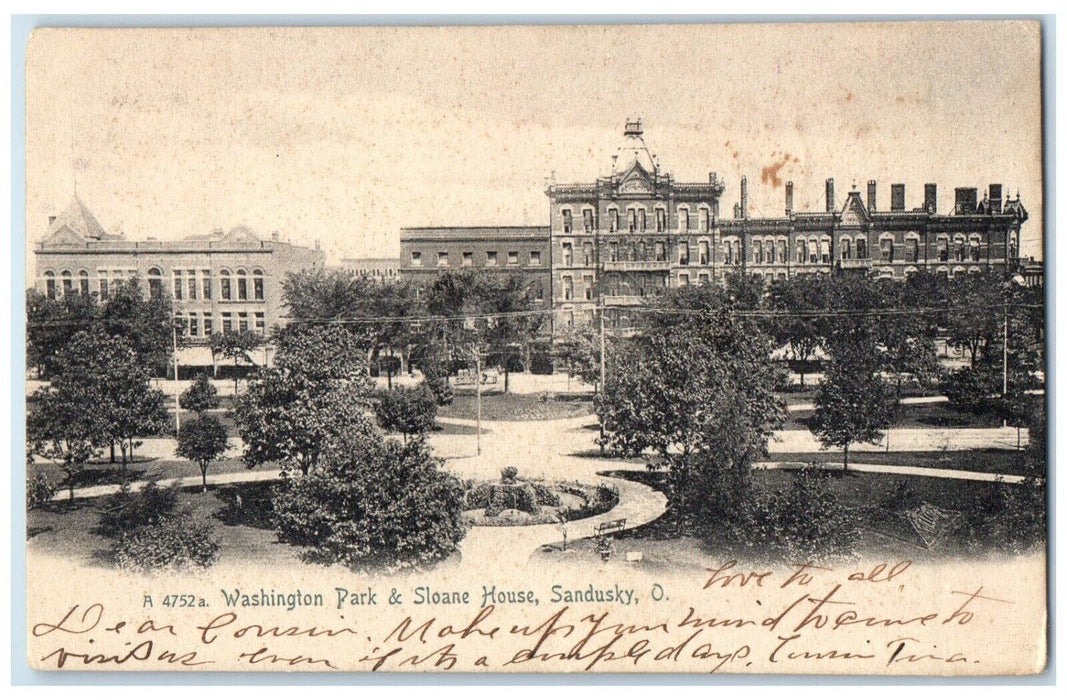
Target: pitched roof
(78,219)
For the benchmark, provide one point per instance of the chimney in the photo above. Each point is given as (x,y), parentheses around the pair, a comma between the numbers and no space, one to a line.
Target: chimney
(737,211)
(51,220)
(275,236)
(872,191)
(744,197)
(830,194)
(996,198)
(896,197)
(930,197)
(966,200)
(789,198)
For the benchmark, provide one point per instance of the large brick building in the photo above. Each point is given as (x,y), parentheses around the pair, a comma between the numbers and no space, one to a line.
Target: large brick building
(219,281)
(427,251)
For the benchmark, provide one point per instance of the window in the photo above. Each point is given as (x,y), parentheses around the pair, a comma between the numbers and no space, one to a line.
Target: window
(942,250)
(846,249)
(770,251)
(416,258)
(587,253)
(802,251)
(825,251)
(757,251)
(631,219)
(442,259)
(911,250)
(957,250)
(661,220)
(587,286)
(227,322)
(976,250)
(568,288)
(813,252)
(205,280)
(490,258)
(102,274)
(703,279)
(861,248)
(887,250)
(83,283)
(683,253)
(242,285)
(587,220)
(568,221)
(50,284)
(513,258)
(225,290)
(538,290)
(208,326)
(683,280)
(535,258)
(68,282)
(705,219)
(261,322)
(468,259)
(783,250)
(613,220)
(643,214)
(178,285)
(568,254)
(155,283)
(728,253)
(613,251)
(257,284)
(194,325)
(242,321)
(683,219)
(702,249)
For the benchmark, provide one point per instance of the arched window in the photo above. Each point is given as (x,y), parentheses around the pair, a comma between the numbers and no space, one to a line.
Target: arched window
(225,285)
(83,283)
(846,248)
(770,250)
(155,283)
(568,221)
(257,284)
(783,250)
(50,284)
(683,218)
(242,284)
(68,282)
(976,249)
(705,220)
(613,220)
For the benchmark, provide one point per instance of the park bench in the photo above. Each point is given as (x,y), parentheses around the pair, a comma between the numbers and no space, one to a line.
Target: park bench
(609,527)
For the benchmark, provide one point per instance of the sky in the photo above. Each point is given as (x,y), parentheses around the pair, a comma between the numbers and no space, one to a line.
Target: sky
(341,136)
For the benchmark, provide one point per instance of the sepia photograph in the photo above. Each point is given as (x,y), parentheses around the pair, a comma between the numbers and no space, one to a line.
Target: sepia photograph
(657,348)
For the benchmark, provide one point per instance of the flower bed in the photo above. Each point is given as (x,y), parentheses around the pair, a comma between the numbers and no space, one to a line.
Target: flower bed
(513,501)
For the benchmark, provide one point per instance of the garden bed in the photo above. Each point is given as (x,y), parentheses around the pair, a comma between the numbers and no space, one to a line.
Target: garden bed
(517,502)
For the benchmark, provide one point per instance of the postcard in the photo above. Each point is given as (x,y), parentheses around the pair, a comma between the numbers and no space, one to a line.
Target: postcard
(679,348)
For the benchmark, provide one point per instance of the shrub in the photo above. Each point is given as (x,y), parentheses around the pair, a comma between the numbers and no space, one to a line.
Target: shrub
(372,503)
(39,490)
(508,475)
(1007,517)
(803,522)
(125,510)
(544,495)
(172,542)
(407,411)
(200,396)
(478,496)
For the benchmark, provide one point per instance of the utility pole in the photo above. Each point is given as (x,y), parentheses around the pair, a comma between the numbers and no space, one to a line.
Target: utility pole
(478,396)
(177,401)
(1004,385)
(603,367)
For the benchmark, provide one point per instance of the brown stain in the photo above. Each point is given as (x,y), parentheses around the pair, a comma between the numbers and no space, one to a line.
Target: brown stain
(848,97)
(769,174)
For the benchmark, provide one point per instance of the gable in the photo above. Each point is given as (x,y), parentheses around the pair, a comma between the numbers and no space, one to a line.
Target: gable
(64,235)
(635,179)
(854,213)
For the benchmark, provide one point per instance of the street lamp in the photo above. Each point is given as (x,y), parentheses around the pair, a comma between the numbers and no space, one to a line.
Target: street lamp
(177,393)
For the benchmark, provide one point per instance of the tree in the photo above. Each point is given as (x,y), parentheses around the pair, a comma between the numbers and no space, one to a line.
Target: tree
(578,351)
(316,391)
(201,396)
(61,427)
(907,339)
(50,323)
(517,324)
(373,503)
(283,417)
(408,411)
(234,345)
(974,322)
(146,322)
(699,395)
(794,301)
(853,403)
(319,294)
(101,396)
(392,306)
(202,440)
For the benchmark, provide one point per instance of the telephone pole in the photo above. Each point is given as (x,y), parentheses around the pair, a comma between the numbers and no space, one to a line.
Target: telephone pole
(177,393)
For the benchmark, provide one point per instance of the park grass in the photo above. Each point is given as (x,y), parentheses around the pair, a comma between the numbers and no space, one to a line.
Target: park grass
(103,473)
(989,461)
(923,415)
(497,406)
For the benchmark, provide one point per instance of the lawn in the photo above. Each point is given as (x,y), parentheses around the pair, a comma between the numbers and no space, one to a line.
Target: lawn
(518,407)
(986,460)
(923,415)
(101,473)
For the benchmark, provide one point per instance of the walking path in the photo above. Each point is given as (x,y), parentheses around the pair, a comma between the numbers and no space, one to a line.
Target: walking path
(550,450)
(905,470)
